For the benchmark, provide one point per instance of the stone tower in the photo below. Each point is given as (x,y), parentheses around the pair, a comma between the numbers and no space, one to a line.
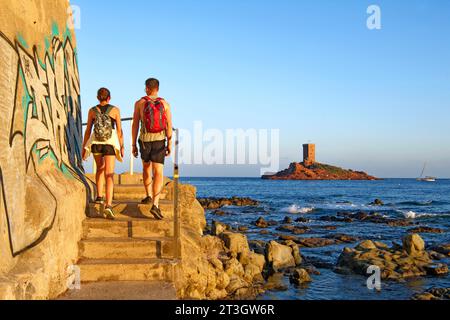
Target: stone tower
(309,154)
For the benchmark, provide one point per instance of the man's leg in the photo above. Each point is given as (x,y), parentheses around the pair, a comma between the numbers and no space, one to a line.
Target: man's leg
(147,175)
(158,181)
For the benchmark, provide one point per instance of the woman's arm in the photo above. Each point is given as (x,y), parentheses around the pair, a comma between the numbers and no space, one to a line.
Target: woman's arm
(87,134)
(118,119)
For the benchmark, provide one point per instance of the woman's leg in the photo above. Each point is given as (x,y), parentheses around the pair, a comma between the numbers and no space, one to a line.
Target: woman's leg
(110,162)
(100,176)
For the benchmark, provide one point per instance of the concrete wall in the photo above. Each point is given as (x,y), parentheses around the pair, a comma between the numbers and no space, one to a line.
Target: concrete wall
(43,194)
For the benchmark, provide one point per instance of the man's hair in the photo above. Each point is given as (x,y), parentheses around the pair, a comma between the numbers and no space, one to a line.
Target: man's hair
(103,94)
(152,84)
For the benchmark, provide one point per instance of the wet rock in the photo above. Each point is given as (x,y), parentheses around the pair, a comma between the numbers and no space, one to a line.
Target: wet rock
(279,256)
(312,270)
(411,261)
(377,202)
(318,263)
(302,220)
(315,242)
(294,229)
(434,294)
(425,230)
(217,203)
(258,246)
(288,220)
(264,232)
(344,238)
(261,223)
(276,283)
(443,249)
(219,213)
(242,229)
(436,269)
(299,277)
(329,228)
(285,237)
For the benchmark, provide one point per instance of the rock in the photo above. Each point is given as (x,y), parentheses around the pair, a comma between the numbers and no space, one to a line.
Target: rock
(261,223)
(413,244)
(288,220)
(219,213)
(315,242)
(236,283)
(285,237)
(237,243)
(243,229)
(366,245)
(234,267)
(217,203)
(279,256)
(344,238)
(258,246)
(299,277)
(276,283)
(295,252)
(436,269)
(425,230)
(443,249)
(312,270)
(434,294)
(302,220)
(377,202)
(218,228)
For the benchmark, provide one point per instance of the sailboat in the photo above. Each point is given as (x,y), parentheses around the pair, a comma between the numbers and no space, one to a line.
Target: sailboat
(426,178)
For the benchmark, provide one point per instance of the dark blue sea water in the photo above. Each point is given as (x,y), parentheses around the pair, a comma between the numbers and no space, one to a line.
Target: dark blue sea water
(428,202)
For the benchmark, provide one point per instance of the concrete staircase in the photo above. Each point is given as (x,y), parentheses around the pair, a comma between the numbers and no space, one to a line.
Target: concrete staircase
(134,248)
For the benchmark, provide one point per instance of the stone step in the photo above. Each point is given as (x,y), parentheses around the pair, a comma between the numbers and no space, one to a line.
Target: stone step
(150,248)
(130,228)
(125,210)
(127,270)
(122,290)
(121,196)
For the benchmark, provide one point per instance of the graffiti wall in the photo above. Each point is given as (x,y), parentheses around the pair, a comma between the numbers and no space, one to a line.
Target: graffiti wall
(42,185)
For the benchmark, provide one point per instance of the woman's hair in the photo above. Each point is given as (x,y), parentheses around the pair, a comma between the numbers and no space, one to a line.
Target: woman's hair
(103,94)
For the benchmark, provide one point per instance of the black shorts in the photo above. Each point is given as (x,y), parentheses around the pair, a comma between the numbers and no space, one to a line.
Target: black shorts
(103,150)
(153,151)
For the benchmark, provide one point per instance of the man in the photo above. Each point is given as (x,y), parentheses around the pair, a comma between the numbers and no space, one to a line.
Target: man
(153,116)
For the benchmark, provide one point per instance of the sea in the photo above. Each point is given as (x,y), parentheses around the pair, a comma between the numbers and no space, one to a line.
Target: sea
(425,202)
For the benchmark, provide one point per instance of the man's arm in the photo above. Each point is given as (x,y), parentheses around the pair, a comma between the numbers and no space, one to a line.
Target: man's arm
(119,130)
(135,127)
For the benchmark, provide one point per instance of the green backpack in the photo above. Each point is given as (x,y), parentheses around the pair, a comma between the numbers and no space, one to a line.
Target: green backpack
(103,125)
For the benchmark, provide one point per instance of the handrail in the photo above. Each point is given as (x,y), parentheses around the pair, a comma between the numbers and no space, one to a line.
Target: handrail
(176,181)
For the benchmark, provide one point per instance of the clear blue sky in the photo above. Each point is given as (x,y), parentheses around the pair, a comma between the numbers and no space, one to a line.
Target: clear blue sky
(378,101)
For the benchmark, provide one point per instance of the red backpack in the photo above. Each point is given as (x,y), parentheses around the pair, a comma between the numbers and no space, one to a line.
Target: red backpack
(155,118)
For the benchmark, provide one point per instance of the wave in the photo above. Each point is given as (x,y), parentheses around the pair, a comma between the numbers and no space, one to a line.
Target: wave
(421,203)
(295,209)
(409,214)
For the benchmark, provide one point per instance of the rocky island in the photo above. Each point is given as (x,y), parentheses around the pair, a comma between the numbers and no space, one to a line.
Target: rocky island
(309,169)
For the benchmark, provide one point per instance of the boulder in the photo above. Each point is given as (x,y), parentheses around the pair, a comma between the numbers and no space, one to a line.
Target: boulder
(218,228)
(295,252)
(237,243)
(366,245)
(261,223)
(279,256)
(413,244)
(299,277)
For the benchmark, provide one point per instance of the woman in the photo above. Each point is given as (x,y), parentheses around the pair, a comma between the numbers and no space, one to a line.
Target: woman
(106,144)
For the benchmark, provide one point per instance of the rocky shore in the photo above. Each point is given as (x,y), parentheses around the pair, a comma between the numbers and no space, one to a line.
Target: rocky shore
(318,171)
(279,260)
